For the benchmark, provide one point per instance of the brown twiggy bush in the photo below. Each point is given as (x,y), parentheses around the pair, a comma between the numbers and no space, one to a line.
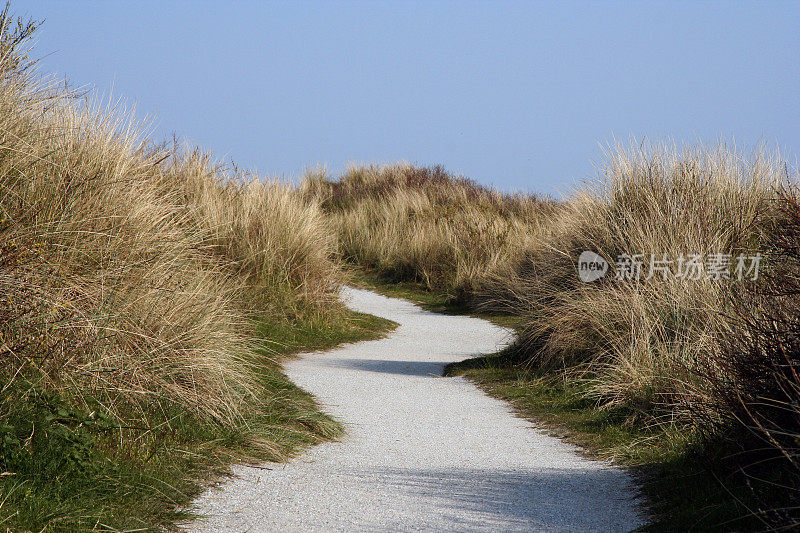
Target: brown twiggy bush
(755,379)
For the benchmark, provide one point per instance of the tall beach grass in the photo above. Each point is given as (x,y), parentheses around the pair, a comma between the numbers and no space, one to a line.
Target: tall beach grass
(643,340)
(132,278)
(425,224)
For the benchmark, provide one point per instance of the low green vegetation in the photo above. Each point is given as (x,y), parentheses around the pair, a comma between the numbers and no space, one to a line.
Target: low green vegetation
(288,336)
(68,466)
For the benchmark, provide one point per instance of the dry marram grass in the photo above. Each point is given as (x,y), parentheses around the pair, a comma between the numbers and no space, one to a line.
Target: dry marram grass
(128,270)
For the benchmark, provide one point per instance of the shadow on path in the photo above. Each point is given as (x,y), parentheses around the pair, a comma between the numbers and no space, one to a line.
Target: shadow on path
(386,366)
(553,499)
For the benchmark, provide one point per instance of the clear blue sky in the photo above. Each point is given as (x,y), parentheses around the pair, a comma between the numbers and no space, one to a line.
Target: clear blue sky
(519,94)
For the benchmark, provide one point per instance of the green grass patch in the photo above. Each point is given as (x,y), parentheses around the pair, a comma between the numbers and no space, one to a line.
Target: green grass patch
(684,479)
(66,466)
(287,336)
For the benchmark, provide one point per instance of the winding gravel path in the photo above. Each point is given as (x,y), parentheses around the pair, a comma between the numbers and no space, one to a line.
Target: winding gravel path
(422,452)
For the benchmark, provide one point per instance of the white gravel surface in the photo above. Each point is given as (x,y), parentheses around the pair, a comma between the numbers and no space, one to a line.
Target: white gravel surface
(422,452)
